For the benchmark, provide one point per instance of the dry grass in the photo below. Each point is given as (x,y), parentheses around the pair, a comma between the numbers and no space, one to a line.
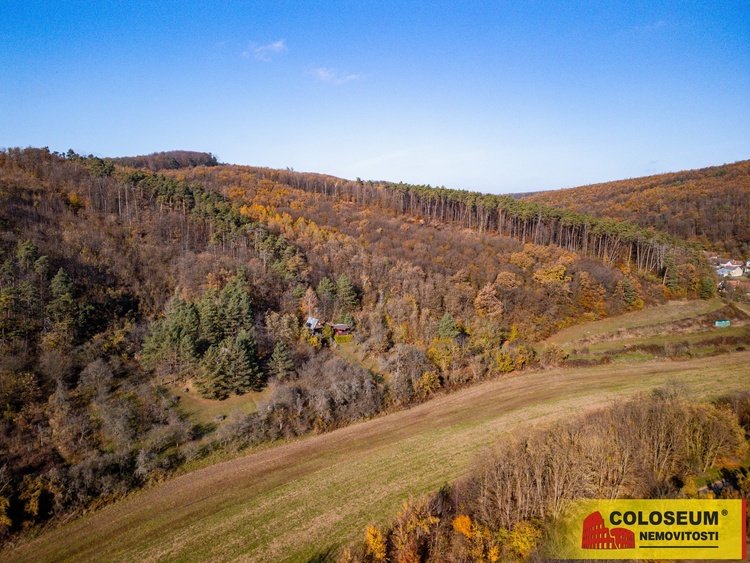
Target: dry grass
(667,313)
(621,346)
(296,500)
(204,411)
(351,352)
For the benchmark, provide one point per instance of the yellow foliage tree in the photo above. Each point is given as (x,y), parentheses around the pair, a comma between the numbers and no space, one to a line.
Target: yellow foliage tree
(507,281)
(522,260)
(592,295)
(428,384)
(441,353)
(523,356)
(555,275)
(524,538)
(481,545)
(413,525)
(462,525)
(504,362)
(375,543)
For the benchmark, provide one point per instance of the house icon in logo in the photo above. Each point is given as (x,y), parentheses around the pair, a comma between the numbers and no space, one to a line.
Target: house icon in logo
(597,536)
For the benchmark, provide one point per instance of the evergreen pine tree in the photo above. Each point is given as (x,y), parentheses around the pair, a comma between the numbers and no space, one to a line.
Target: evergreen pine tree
(327,295)
(188,334)
(235,306)
(345,318)
(61,307)
(346,296)
(173,340)
(61,284)
(447,327)
(628,291)
(671,281)
(707,288)
(211,322)
(243,372)
(211,379)
(41,267)
(6,272)
(27,254)
(281,364)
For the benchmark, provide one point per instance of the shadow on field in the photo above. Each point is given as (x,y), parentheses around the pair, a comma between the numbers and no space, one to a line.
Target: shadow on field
(202,429)
(326,556)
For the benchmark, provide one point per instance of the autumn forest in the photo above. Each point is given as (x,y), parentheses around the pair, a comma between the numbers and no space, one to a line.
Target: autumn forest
(124,282)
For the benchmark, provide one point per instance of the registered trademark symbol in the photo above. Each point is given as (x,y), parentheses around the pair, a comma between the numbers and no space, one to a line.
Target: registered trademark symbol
(724,512)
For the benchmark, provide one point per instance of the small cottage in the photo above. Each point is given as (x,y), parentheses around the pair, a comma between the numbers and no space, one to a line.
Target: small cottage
(313,325)
(341,329)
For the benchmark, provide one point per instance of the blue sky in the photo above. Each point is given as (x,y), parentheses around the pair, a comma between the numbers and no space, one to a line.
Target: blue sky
(493,96)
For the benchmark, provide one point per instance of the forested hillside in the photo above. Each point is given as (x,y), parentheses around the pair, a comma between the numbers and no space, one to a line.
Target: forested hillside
(454,232)
(709,206)
(611,242)
(118,280)
(92,253)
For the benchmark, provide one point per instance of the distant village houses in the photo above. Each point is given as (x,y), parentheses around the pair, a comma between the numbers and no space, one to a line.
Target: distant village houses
(730,272)
(728,268)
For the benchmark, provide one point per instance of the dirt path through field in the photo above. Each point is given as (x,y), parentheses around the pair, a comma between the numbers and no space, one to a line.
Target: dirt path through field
(297,500)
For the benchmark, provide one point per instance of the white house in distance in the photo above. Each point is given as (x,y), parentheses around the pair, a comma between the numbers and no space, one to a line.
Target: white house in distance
(730,272)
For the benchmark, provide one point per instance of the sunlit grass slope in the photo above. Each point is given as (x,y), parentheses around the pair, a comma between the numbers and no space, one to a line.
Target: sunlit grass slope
(302,498)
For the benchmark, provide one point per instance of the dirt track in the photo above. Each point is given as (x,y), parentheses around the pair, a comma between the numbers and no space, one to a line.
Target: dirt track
(297,500)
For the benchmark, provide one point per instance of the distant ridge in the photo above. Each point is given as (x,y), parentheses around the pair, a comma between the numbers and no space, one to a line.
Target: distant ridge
(525,195)
(708,206)
(168,160)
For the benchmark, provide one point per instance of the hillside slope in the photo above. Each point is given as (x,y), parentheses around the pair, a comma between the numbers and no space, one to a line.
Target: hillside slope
(441,248)
(119,287)
(709,206)
(309,496)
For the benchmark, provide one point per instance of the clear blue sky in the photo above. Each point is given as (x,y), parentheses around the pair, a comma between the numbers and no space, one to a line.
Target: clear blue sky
(495,96)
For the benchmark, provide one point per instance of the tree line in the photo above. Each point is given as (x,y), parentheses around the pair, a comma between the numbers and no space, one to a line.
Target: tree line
(612,242)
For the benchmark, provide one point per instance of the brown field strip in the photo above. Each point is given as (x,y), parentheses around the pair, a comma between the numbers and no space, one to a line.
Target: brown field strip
(299,499)
(669,312)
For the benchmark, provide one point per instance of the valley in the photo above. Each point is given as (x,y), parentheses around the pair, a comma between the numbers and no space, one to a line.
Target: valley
(299,500)
(164,394)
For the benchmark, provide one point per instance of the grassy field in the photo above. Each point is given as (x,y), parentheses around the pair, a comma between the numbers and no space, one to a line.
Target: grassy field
(301,499)
(204,412)
(678,329)
(669,312)
(694,339)
(352,353)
